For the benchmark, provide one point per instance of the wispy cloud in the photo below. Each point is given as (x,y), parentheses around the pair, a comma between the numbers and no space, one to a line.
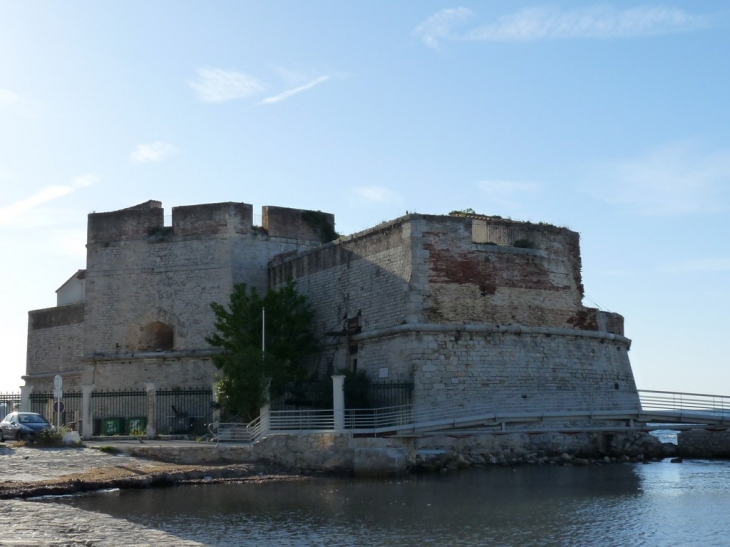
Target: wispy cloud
(215,85)
(440,25)
(375,194)
(8,98)
(676,179)
(286,94)
(15,103)
(157,151)
(700,265)
(539,23)
(13,212)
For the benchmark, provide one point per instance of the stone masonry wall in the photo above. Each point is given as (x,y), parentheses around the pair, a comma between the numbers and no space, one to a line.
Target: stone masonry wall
(365,276)
(471,282)
(55,341)
(141,273)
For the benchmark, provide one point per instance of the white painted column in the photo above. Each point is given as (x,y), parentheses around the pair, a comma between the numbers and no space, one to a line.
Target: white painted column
(25,392)
(265,419)
(151,410)
(338,401)
(87,420)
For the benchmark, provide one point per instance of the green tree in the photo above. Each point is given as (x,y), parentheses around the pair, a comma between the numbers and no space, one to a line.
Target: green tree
(246,372)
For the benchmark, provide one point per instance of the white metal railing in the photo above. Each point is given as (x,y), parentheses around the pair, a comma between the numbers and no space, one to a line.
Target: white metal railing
(662,405)
(685,403)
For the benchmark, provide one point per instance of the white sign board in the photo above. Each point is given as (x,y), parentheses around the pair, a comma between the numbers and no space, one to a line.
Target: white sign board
(58,382)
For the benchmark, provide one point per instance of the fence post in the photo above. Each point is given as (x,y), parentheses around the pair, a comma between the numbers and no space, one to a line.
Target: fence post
(25,392)
(87,425)
(338,401)
(151,410)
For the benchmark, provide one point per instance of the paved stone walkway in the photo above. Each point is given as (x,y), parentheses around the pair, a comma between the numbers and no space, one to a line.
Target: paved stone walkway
(47,524)
(23,464)
(39,524)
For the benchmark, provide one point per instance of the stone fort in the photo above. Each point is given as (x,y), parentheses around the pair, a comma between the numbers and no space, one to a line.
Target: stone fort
(472,309)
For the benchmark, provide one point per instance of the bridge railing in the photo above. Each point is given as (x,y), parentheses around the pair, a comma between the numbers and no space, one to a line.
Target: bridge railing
(695,403)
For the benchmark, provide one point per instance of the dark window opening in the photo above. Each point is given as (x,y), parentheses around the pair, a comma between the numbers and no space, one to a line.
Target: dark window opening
(155,336)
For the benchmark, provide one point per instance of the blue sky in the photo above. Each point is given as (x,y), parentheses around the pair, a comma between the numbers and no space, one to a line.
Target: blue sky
(609,118)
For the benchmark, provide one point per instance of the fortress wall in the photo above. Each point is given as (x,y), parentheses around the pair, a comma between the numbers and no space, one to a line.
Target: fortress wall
(367,274)
(127,224)
(212,218)
(506,371)
(473,282)
(165,373)
(170,275)
(168,280)
(55,340)
(292,223)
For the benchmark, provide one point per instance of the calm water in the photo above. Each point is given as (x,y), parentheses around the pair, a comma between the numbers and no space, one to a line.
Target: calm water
(660,504)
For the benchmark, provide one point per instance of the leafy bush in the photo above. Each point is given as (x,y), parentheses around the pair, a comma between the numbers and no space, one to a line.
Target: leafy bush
(51,437)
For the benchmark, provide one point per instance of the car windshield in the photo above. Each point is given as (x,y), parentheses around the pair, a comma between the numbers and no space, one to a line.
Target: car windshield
(31,419)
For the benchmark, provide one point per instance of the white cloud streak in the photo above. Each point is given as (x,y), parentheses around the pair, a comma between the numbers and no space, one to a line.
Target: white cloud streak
(286,94)
(375,194)
(8,98)
(216,85)
(15,211)
(440,25)
(530,24)
(154,152)
(676,179)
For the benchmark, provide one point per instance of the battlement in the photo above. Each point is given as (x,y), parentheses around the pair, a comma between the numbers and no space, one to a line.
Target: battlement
(212,218)
(134,222)
(146,220)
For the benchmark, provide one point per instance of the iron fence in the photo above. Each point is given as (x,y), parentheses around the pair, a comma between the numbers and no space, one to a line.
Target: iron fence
(9,402)
(119,412)
(377,394)
(308,396)
(43,404)
(184,410)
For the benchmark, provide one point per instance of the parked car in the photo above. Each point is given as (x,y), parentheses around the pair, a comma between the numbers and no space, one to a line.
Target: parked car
(22,426)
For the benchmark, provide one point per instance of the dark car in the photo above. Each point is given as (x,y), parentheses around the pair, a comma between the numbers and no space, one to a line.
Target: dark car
(22,426)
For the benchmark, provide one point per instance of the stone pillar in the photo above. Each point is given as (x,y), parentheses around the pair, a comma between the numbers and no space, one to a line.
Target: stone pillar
(338,401)
(25,392)
(151,410)
(87,419)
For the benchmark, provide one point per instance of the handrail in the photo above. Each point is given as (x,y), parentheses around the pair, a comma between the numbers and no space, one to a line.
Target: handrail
(656,406)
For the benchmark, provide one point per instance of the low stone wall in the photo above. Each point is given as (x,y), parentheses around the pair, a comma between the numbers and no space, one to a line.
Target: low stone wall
(343,453)
(699,443)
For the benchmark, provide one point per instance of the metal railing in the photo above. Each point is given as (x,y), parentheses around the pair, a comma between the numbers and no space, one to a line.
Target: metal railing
(183,410)
(8,403)
(43,402)
(695,404)
(119,412)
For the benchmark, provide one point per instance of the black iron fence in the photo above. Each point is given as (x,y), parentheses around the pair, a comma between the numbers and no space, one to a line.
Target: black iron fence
(184,410)
(8,403)
(119,412)
(308,396)
(377,394)
(69,407)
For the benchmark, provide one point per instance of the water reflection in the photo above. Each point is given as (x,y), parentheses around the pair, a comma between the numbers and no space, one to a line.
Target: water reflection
(657,504)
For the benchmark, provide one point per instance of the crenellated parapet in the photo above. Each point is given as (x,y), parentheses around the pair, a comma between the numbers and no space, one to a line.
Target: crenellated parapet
(147,221)
(136,222)
(212,218)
